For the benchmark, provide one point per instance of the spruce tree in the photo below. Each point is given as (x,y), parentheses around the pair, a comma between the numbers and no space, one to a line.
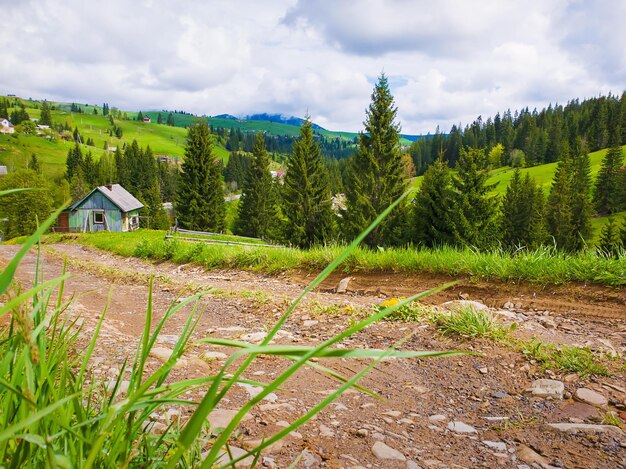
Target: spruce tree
(610,242)
(307,201)
(45,118)
(33,164)
(200,197)
(74,161)
(432,207)
(606,196)
(257,216)
(559,206)
(582,207)
(522,223)
(375,174)
(474,209)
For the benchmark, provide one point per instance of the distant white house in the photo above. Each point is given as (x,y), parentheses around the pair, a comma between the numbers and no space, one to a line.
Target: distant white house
(147,120)
(6,127)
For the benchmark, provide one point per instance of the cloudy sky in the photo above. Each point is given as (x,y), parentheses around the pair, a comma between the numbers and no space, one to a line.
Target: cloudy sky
(447,61)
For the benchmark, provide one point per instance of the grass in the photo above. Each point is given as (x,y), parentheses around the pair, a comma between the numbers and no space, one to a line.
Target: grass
(55,413)
(564,358)
(543,266)
(469,322)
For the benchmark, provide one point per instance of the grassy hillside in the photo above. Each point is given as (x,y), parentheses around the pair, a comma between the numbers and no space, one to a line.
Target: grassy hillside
(15,151)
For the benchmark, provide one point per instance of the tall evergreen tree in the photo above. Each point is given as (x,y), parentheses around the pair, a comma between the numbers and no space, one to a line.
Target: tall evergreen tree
(559,207)
(307,201)
(170,120)
(200,196)
(582,206)
(522,213)
(257,216)
(474,209)
(432,207)
(74,161)
(45,117)
(606,196)
(375,174)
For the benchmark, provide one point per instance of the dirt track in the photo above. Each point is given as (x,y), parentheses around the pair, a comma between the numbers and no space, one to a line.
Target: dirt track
(421,397)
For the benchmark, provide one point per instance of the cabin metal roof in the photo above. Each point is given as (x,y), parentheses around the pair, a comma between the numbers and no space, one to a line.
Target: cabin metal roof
(123,199)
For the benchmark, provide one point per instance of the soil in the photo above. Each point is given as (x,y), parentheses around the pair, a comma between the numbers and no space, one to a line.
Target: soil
(485,390)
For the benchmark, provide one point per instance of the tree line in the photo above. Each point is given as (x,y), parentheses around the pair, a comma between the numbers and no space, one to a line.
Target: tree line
(529,138)
(452,207)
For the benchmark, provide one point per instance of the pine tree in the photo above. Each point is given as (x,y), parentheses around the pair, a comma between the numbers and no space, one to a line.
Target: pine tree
(610,243)
(45,117)
(34,164)
(432,207)
(582,206)
(140,116)
(170,120)
(375,174)
(159,119)
(257,215)
(522,223)
(200,196)
(559,207)
(606,196)
(74,160)
(474,209)
(307,201)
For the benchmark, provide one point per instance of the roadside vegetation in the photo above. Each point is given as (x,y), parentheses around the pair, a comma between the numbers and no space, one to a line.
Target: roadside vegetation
(542,266)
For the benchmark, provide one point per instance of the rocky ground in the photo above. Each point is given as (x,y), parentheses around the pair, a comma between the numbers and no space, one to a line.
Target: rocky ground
(492,408)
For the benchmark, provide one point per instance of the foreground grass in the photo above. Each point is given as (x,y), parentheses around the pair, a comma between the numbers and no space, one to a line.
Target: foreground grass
(544,266)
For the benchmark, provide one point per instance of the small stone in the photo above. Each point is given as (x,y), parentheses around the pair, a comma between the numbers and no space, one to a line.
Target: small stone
(310,460)
(224,457)
(212,356)
(326,432)
(547,322)
(254,337)
(547,388)
(362,433)
(591,397)
(584,428)
(342,287)
(483,370)
(393,413)
(412,465)
(570,378)
(438,418)
(382,451)
(508,305)
(460,427)
(499,395)
(530,456)
(497,445)
(309,323)
(460,304)
(220,418)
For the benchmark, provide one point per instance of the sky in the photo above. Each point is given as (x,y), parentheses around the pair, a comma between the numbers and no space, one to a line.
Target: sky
(447,61)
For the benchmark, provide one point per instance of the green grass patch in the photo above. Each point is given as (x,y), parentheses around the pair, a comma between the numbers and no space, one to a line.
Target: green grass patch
(471,323)
(564,358)
(543,266)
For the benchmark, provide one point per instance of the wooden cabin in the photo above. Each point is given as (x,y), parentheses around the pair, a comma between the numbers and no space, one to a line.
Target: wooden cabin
(106,208)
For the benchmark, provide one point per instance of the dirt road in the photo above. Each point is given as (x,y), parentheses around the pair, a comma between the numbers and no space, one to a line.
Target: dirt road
(464,411)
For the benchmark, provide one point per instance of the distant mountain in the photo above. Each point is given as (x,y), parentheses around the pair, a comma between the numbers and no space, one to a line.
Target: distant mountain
(280,119)
(227,116)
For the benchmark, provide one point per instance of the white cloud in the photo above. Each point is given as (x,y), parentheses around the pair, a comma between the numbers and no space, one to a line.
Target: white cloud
(447,62)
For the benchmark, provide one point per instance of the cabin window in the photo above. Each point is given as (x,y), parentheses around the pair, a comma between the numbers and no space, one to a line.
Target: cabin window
(98,217)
